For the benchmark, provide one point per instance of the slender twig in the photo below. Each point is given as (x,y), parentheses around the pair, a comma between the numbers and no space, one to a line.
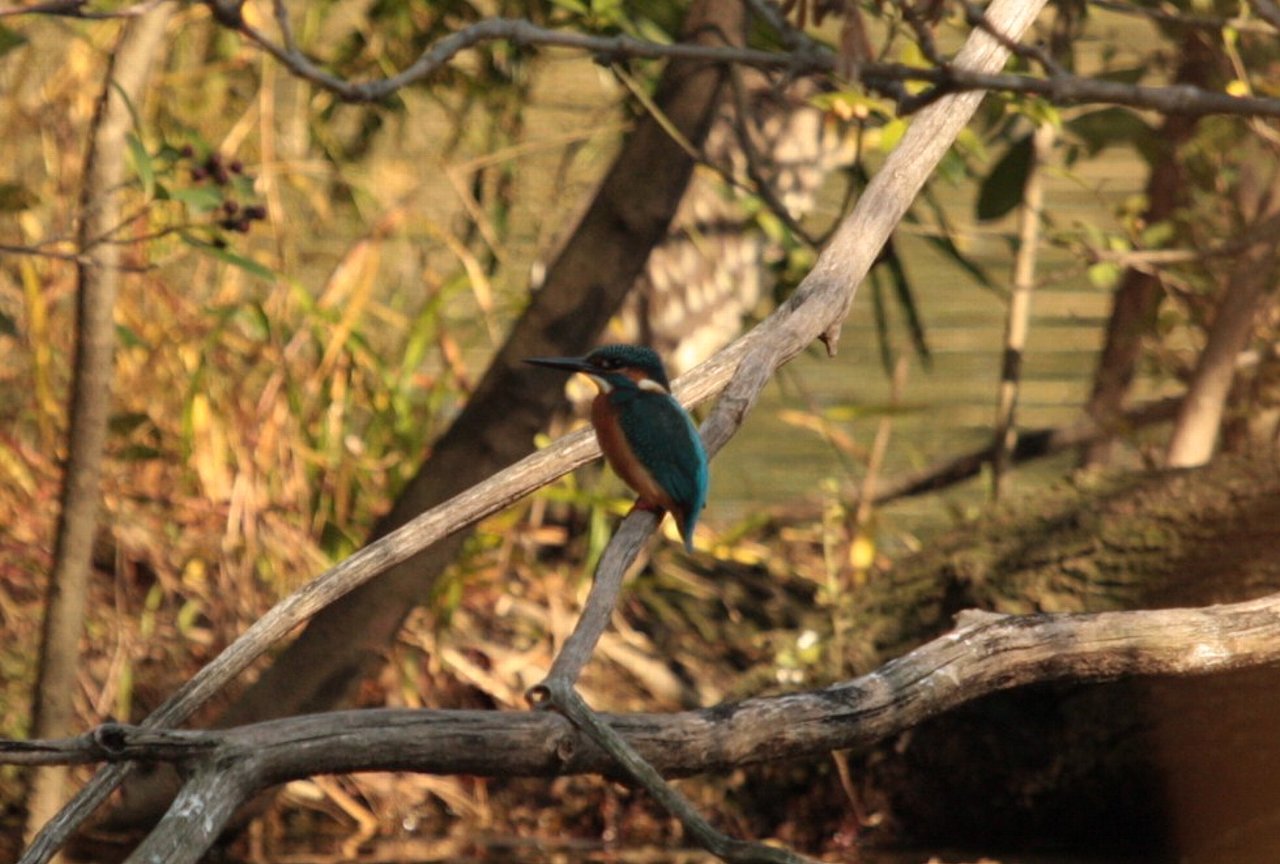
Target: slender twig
(976,17)
(947,79)
(1264,230)
(924,33)
(793,38)
(97,286)
(77,9)
(622,551)
(1179,19)
(1267,10)
(520,32)
(763,187)
(879,448)
(1071,89)
(1018,316)
(286,28)
(759,184)
(1060,88)
(567,701)
(42,252)
(641,95)
(1031,444)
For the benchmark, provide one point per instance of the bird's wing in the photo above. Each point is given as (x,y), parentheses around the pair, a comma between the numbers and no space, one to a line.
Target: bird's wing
(672,452)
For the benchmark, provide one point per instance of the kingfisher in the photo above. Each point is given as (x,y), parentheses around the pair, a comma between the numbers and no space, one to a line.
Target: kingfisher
(647,437)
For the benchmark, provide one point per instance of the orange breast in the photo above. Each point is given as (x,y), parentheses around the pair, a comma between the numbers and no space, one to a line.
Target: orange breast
(619,456)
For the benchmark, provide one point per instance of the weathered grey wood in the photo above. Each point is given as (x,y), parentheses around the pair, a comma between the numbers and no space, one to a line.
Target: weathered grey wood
(986,654)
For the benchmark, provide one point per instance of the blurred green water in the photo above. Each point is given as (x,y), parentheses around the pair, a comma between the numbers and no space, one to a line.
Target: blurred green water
(948,408)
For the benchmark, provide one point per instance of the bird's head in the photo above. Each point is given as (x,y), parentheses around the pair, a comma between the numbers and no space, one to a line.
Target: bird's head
(615,367)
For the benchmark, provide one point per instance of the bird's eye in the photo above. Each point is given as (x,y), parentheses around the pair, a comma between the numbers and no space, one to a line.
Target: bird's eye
(607,362)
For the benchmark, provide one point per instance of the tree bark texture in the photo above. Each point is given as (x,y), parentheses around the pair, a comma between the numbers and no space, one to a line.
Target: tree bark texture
(1126,541)
(1156,768)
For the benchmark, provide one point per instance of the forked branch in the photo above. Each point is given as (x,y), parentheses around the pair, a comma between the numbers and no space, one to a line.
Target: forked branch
(986,653)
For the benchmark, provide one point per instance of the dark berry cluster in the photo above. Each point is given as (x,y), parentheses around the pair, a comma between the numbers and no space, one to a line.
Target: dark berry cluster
(213,167)
(237,218)
(229,178)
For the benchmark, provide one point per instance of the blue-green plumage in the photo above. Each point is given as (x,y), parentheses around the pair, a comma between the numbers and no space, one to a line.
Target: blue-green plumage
(646,436)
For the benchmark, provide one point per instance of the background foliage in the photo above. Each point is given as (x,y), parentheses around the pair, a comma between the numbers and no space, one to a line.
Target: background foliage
(315,287)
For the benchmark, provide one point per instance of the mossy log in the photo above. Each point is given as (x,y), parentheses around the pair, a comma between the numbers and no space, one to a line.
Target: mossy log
(1184,769)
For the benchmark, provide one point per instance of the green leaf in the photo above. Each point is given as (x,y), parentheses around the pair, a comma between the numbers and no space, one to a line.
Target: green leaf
(1041,111)
(227,256)
(201,199)
(15,197)
(138,453)
(128,338)
(188,617)
(10,39)
(890,260)
(1104,274)
(946,244)
(125,422)
(608,11)
(891,133)
(256,321)
(1108,127)
(1002,189)
(246,264)
(128,103)
(1158,234)
(651,31)
(142,164)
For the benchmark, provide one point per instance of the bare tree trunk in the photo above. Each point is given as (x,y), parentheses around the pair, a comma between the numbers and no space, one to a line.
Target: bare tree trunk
(1257,198)
(1195,433)
(1136,300)
(98,279)
(1018,319)
(584,287)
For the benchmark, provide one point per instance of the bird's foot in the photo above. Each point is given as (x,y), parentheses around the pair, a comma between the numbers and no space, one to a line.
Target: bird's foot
(642,504)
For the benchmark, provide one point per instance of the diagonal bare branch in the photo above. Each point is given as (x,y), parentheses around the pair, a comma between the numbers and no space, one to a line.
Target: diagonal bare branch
(986,653)
(1267,10)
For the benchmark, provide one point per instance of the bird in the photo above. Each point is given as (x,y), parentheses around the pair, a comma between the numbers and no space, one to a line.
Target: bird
(646,435)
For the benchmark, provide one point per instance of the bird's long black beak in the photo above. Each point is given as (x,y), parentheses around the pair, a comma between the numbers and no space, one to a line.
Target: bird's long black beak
(569,364)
